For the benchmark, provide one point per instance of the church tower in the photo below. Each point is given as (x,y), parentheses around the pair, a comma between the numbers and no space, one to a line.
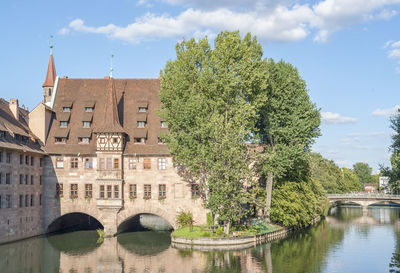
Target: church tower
(48,84)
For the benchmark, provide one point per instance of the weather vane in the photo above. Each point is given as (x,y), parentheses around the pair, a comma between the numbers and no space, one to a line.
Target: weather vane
(51,44)
(111,67)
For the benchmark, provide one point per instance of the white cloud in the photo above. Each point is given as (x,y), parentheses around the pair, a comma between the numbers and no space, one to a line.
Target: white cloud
(335,118)
(270,20)
(387,112)
(63,31)
(372,134)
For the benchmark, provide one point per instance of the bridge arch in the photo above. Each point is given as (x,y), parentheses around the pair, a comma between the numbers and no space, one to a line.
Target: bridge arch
(74,221)
(144,221)
(127,217)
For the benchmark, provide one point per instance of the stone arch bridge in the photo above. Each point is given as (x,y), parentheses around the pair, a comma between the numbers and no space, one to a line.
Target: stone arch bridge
(363,199)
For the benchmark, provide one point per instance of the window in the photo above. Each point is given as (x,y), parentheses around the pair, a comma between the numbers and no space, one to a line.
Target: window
(101,191)
(21,179)
(141,124)
(109,163)
(132,191)
(32,161)
(27,160)
(74,162)
(88,109)
(26,179)
(115,139)
(88,190)
(142,109)
(195,188)
(41,162)
(88,163)
(147,191)
(21,200)
(21,159)
(32,200)
(83,140)
(8,178)
(63,124)
(2,134)
(162,191)
(74,191)
(86,124)
(66,109)
(132,163)
(109,191)
(102,140)
(1,156)
(162,164)
(139,140)
(26,200)
(59,190)
(146,163)
(49,92)
(59,162)
(8,201)
(60,140)
(101,163)
(8,157)
(32,180)
(116,191)
(116,163)
(164,124)
(40,200)
(40,180)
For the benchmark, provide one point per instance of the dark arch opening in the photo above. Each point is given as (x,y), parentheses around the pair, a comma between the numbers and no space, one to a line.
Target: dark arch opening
(144,222)
(73,222)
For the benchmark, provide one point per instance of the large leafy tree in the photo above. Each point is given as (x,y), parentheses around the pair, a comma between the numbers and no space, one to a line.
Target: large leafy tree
(210,97)
(394,172)
(287,125)
(363,171)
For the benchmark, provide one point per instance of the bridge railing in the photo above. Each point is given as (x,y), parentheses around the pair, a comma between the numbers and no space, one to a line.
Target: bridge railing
(365,195)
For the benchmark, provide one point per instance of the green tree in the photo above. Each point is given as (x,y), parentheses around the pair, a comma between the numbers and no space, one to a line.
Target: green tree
(210,99)
(394,172)
(327,173)
(287,125)
(363,171)
(351,181)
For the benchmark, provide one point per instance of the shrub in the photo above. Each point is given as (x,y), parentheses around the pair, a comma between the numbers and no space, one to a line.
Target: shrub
(185,219)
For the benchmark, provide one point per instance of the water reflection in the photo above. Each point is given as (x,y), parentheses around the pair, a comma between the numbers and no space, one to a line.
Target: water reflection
(347,241)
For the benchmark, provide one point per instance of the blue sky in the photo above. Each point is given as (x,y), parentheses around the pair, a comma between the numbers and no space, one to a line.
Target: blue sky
(348,52)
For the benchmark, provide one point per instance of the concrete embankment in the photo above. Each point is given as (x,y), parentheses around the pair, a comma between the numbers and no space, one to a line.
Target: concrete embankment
(235,243)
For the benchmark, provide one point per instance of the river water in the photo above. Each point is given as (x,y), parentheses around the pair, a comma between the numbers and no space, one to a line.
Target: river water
(349,240)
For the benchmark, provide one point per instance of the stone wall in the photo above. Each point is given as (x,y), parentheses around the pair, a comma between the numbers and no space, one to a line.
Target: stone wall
(16,221)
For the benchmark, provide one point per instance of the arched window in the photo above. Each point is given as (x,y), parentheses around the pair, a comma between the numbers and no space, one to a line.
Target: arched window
(49,91)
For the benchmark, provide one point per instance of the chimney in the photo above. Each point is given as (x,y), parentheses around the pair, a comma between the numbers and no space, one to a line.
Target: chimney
(14,108)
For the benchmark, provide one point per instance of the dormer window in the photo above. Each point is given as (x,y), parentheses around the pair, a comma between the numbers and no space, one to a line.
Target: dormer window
(164,124)
(63,124)
(66,109)
(139,140)
(83,140)
(60,140)
(142,109)
(86,124)
(89,109)
(141,124)
(2,134)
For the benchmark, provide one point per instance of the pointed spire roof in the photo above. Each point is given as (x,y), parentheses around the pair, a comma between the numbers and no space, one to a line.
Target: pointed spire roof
(110,122)
(51,73)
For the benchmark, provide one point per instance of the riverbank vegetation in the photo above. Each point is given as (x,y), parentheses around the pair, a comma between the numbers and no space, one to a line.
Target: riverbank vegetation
(234,116)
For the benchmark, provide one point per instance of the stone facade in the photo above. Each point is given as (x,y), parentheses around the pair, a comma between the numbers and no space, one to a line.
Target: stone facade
(101,155)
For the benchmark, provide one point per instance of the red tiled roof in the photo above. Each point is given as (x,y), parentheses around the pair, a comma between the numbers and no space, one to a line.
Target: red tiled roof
(51,73)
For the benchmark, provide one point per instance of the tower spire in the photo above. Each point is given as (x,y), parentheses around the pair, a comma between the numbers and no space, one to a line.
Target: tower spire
(50,79)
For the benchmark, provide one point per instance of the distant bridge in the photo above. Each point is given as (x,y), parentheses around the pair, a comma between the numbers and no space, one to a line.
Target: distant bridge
(363,199)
